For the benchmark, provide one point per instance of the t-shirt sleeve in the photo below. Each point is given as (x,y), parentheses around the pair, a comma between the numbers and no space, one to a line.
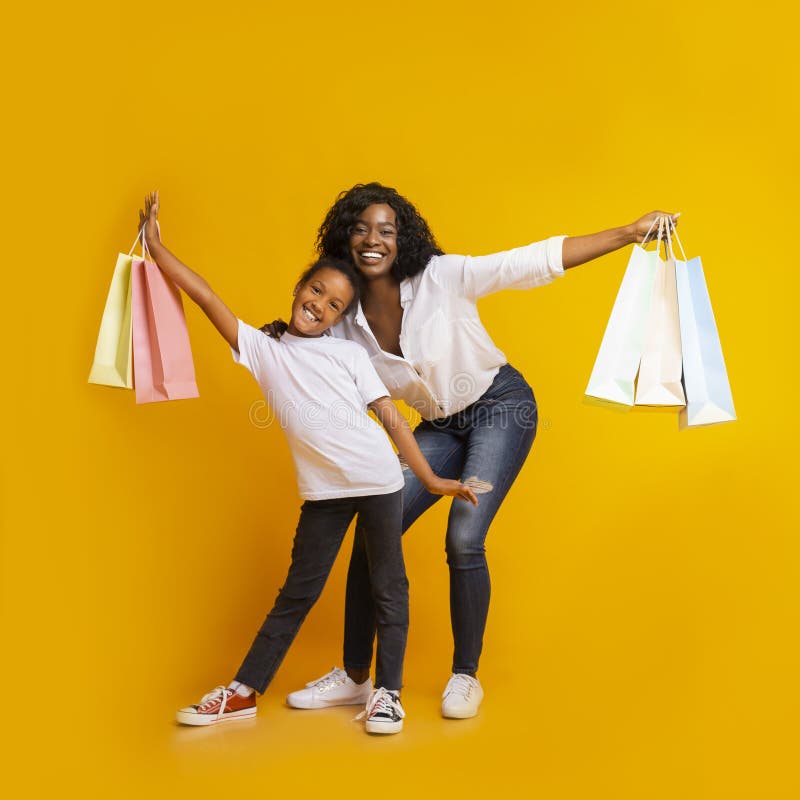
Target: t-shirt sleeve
(521,268)
(251,343)
(369,385)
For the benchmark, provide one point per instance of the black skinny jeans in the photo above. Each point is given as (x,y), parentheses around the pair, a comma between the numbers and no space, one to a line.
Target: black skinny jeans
(322,526)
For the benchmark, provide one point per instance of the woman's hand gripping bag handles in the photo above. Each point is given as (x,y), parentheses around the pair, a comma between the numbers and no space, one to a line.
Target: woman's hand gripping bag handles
(620,353)
(659,381)
(705,378)
(163,368)
(113,357)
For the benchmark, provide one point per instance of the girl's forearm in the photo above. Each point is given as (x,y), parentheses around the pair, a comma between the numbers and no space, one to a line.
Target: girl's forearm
(409,450)
(195,286)
(398,429)
(578,250)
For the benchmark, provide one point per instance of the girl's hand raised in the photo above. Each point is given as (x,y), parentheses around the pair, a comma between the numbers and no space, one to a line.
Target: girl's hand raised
(444,486)
(148,219)
(649,223)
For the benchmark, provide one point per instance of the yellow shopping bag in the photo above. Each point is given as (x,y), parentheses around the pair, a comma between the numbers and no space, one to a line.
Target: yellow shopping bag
(113,358)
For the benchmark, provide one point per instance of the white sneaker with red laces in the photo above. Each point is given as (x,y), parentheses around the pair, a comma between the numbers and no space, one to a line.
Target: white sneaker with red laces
(218,705)
(462,697)
(336,688)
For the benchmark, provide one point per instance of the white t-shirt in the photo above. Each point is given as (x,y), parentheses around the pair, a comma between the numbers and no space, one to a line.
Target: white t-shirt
(318,389)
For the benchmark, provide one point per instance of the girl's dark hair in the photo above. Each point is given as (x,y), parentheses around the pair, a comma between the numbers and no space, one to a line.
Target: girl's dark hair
(341,265)
(415,242)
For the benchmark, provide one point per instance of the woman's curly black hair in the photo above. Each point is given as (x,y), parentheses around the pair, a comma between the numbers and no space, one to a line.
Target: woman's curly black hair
(415,242)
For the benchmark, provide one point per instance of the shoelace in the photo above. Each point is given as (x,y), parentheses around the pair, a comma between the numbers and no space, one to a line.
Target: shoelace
(459,684)
(331,678)
(382,702)
(218,694)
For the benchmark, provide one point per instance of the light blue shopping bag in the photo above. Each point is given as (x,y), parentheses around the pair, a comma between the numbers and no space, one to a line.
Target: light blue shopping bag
(705,379)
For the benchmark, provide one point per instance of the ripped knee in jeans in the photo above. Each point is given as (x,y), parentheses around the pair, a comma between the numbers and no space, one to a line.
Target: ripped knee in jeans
(477,485)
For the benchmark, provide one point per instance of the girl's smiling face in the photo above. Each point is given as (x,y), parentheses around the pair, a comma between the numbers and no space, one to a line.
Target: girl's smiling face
(373,240)
(320,302)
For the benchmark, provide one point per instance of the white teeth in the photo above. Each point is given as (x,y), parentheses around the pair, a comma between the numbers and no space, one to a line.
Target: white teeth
(308,315)
(371,255)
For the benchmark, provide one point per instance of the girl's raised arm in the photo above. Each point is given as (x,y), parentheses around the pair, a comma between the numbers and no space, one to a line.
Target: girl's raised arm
(223,319)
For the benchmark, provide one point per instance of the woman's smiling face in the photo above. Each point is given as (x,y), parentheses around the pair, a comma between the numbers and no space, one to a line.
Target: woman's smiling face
(373,240)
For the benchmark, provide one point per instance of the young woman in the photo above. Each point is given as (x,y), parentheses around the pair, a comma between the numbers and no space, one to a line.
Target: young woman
(418,320)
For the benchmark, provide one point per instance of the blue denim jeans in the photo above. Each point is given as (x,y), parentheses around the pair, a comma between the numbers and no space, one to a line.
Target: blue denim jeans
(485,445)
(322,526)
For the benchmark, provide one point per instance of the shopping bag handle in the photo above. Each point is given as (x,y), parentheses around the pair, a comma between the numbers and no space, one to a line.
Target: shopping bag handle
(660,221)
(140,237)
(672,230)
(661,239)
(135,242)
(646,236)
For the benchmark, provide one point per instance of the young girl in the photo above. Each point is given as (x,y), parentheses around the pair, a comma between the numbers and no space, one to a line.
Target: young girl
(320,389)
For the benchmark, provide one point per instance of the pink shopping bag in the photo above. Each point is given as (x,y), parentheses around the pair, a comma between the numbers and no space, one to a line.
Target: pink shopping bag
(163,368)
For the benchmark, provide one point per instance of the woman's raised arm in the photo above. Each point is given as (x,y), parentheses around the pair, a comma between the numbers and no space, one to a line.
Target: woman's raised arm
(578,250)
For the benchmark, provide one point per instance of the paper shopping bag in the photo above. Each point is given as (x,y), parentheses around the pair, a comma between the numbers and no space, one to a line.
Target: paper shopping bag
(620,351)
(659,381)
(112,365)
(708,392)
(162,356)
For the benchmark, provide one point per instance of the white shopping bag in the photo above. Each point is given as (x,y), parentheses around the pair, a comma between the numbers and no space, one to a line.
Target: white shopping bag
(620,351)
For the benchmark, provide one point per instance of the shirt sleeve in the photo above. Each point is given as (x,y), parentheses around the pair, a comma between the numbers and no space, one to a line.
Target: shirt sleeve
(521,268)
(369,385)
(251,343)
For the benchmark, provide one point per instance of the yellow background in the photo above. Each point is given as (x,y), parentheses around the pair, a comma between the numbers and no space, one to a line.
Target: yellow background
(643,636)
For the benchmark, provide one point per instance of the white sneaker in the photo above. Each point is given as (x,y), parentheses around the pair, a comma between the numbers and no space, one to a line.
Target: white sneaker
(333,689)
(462,697)
(384,712)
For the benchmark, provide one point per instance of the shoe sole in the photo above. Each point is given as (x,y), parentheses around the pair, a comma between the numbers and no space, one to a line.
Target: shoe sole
(460,714)
(384,727)
(198,720)
(359,701)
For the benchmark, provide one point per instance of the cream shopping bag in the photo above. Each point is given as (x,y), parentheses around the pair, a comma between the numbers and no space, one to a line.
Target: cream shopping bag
(659,381)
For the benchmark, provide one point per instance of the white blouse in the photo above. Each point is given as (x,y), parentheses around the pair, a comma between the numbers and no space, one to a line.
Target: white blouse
(450,360)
